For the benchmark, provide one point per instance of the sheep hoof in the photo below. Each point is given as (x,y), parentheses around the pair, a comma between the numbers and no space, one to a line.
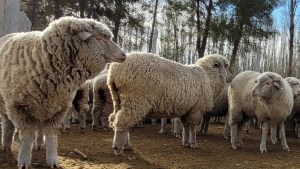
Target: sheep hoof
(81,130)
(194,145)
(234,146)
(286,149)
(118,151)
(38,148)
(23,167)
(6,148)
(162,131)
(186,144)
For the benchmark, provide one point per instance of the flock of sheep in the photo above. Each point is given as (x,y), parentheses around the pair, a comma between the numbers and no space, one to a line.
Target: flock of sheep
(46,75)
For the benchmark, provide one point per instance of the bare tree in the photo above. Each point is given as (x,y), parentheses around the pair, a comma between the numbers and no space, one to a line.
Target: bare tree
(153,26)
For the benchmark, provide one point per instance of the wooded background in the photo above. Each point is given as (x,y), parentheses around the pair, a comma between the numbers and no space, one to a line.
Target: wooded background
(259,35)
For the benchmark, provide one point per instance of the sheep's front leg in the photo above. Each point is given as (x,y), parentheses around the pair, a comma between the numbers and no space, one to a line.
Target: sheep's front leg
(163,125)
(185,135)
(121,138)
(51,147)
(283,138)
(8,131)
(26,136)
(265,129)
(39,139)
(82,123)
(239,141)
(192,133)
(95,115)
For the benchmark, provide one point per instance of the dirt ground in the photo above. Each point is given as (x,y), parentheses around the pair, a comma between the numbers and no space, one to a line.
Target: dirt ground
(154,150)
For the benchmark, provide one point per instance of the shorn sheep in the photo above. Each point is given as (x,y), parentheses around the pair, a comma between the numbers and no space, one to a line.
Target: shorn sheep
(39,74)
(146,84)
(266,96)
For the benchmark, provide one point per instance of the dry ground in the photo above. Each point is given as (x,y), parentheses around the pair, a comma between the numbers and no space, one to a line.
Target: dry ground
(154,150)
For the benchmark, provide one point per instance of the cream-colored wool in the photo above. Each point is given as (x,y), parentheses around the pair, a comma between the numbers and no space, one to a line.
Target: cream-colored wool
(146,84)
(40,72)
(271,106)
(295,114)
(102,101)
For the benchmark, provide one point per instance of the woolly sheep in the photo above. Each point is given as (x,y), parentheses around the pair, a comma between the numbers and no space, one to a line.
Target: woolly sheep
(80,104)
(220,109)
(39,74)
(146,84)
(266,96)
(295,114)
(102,101)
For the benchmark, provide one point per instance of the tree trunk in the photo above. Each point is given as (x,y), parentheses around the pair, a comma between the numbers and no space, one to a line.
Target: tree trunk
(198,27)
(176,53)
(33,13)
(236,43)
(153,26)
(82,6)
(57,9)
(206,29)
(293,5)
(117,19)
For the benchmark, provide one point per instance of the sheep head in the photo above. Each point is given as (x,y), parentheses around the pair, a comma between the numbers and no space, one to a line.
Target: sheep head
(265,84)
(295,85)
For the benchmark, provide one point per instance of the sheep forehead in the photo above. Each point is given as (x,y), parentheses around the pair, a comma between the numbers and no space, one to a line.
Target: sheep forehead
(213,59)
(263,78)
(293,80)
(103,29)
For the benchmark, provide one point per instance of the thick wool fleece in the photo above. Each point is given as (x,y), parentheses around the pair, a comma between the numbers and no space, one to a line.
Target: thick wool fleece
(148,84)
(243,104)
(40,71)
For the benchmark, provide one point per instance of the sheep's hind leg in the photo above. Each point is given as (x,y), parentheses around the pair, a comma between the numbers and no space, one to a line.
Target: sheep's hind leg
(8,131)
(273,134)
(239,140)
(51,147)
(95,116)
(163,123)
(283,138)
(26,136)
(82,123)
(233,132)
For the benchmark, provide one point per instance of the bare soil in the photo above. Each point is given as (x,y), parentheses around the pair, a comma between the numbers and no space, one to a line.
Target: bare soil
(154,150)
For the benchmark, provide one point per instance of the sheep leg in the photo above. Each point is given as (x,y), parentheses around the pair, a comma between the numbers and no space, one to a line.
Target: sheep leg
(185,135)
(298,129)
(233,132)
(82,123)
(121,138)
(8,131)
(226,129)
(95,115)
(240,130)
(206,119)
(39,139)
(127,146)
(285,147)
(273,134)
(26,136)
(51,147)
(163,125)
(67,123)
(265,129)
(104,121)
(192,134)
(177,129)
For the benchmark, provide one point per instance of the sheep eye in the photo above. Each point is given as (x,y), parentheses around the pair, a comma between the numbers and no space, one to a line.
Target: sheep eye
(267,83)
(255,81)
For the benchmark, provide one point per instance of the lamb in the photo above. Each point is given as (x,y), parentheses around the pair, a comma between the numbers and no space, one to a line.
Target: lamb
(157,87)
(266,96)
(39,74)
(102,101)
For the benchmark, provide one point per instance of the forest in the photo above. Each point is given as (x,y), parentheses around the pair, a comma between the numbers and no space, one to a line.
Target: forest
(254,35)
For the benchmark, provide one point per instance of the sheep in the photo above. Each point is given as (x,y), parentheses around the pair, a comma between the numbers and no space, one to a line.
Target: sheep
(81,105)
(220,109)
(295,85)
(146,84)
(39,74)
(266,96)
(102,101)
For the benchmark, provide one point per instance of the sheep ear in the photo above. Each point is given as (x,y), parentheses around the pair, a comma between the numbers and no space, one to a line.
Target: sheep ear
(276,84)
(84,35)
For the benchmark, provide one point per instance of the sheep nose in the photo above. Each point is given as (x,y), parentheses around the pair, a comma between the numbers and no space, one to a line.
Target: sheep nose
(298,92)
(123,54)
